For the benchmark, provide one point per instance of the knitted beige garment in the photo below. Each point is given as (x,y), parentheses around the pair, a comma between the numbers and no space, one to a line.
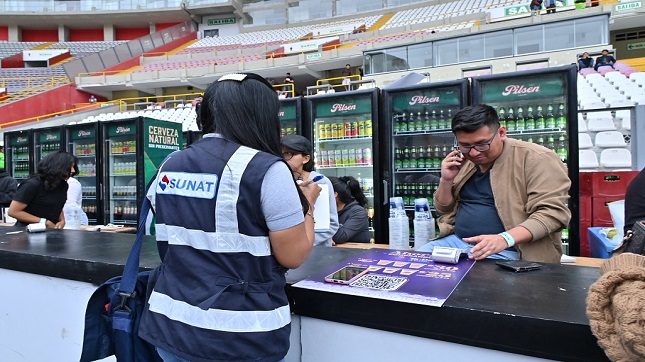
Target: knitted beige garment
(616,308)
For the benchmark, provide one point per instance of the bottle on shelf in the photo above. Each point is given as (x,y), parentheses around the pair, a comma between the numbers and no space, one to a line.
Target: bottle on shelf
(429,160)
(510,120)
(421,157)
(539,119)
(413,157)
(398,159)
(520,121)
(561,118)
(550,143)
(427,125)
(550,119)
(530,119)
(418,122)
(442,120)
(436,156)
(434,122)
(411,122)
(562,148)
(406,157)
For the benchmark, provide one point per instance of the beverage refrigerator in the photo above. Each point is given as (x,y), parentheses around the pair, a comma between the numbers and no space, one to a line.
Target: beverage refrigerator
(133,149)
(46,141)
(291,116)
(19,161)
(540,106)
(343,128)
(82,141)
(417,136)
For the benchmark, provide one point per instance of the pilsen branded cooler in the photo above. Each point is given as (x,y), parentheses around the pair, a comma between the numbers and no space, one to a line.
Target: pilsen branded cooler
(19,161)
(344,130)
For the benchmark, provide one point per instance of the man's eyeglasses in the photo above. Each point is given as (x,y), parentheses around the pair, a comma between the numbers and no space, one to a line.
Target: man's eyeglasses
(480,147)
(287,155)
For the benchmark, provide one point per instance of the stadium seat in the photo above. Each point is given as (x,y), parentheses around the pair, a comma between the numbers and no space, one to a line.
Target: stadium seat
(582,124)
(609,139)
(584,140)
(600,124)
(616,158)
(587,159)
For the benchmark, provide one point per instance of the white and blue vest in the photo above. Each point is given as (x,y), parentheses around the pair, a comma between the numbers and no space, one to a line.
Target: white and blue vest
(219,294)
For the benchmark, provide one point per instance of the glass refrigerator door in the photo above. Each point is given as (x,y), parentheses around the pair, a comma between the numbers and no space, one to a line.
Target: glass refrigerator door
(122,179)
(46,142)
(343,141)
(289,113)
(421,139)
(83,146)
(19,156)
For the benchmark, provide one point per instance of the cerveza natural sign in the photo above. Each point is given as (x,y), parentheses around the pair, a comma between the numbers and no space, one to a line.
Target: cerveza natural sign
(222,21)
(163,137)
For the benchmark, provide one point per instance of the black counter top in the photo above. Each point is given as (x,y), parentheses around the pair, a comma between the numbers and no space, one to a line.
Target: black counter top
(539,313)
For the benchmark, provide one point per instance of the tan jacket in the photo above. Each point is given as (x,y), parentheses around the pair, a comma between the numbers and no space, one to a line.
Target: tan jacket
(530,185)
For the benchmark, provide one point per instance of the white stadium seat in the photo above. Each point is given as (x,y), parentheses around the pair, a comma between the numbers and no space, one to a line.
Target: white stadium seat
(610,139)
(584,141)
(587,159)
(616,158)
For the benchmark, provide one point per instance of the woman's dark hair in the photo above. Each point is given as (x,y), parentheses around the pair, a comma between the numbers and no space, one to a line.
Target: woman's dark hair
(56,168)
(348,189)
(472,118)
(244,107)
(243,111)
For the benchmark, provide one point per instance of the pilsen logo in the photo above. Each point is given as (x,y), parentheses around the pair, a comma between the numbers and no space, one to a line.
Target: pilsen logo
(520,89)
(423,100)
(122,129)
(342,107)
(50,137)
(21,139)
(281,114)
(82,133)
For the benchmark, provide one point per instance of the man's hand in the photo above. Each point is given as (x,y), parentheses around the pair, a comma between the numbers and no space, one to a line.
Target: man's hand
(486,245)
(451,164)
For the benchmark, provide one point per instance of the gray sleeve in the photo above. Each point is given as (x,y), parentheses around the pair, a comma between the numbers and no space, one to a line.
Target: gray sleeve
(280,202)
(324,237)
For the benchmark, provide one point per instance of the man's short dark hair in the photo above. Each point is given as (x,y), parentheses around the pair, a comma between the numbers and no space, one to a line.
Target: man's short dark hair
(472,118)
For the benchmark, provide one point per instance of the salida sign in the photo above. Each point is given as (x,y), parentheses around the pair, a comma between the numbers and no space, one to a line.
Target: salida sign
(517,10)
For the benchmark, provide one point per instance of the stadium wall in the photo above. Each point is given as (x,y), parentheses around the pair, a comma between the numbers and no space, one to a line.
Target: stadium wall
(63,97)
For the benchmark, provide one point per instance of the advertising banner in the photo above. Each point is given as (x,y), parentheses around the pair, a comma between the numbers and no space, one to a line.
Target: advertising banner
(398,275)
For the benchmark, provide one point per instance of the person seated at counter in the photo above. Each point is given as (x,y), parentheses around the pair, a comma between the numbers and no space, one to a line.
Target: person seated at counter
(40,198)
(499,197)
(352,216)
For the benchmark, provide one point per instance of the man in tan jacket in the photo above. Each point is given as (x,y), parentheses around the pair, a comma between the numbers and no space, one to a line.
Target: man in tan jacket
(499,197)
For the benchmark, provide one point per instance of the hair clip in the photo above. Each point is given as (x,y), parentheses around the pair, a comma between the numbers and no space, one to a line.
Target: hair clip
(233,76)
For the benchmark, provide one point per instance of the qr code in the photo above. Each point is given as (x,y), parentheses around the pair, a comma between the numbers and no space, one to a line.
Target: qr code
(380,282)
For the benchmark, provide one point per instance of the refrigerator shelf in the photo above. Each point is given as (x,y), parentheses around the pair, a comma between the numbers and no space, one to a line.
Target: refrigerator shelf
(89,197)
(86,156)
(417,170)
(123,153)
(20,159)
(414,133)
(129,222)
(124,198)
(542,131)
(343,139)
(342,166)
(124,174)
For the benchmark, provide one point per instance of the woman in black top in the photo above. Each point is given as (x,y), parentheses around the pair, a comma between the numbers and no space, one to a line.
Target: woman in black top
(40,199)
(352,217)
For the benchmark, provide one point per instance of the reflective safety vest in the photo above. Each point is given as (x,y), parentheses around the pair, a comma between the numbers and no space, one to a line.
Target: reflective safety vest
(219,294)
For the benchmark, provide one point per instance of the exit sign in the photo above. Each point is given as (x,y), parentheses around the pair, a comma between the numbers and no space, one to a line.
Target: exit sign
(628,6)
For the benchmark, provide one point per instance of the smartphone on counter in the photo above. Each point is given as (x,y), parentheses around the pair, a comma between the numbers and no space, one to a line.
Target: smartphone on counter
(519,265)
(346,275)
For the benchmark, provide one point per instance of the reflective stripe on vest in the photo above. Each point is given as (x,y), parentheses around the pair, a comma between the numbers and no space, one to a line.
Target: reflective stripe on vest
(217,242)
(229,190)
(219,319)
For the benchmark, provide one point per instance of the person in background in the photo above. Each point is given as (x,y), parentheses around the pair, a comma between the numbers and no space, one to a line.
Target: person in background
(604,59)
(635,201)
(8,186)
(585,61)
(92,99)
(550,6)
(352,217)
(535,5)
(297,151)
(40,199)
(360,71)
(2,156)
(499,197)
(75,198)
(219,294)
(290,85)
(346,73)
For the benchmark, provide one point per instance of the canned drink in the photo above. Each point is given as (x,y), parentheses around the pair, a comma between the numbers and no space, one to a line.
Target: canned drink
(334,130)
(321,131)
(367,155)
(344,157)
(328,130)
(322,158)
(361,128)
(360,160)
(338,157)
(368,127)
(290,130)
(351,157)
(348,129)
(331,158)
(354,129)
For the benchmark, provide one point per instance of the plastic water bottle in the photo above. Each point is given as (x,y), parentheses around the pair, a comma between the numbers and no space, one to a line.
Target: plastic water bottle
(72,214)
(423,223)
(398,225)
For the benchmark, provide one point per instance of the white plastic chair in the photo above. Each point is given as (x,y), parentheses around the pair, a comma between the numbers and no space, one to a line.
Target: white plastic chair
(598,115)
(584,140)
(600,124)
(587,159)
(609,139)
(582,124)
(616,157)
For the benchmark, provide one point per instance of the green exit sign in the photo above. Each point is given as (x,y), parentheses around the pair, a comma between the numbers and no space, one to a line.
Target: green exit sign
(628,6)
(222,21)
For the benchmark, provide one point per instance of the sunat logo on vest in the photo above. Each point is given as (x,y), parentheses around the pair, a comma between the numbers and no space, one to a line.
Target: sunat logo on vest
(197,185)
